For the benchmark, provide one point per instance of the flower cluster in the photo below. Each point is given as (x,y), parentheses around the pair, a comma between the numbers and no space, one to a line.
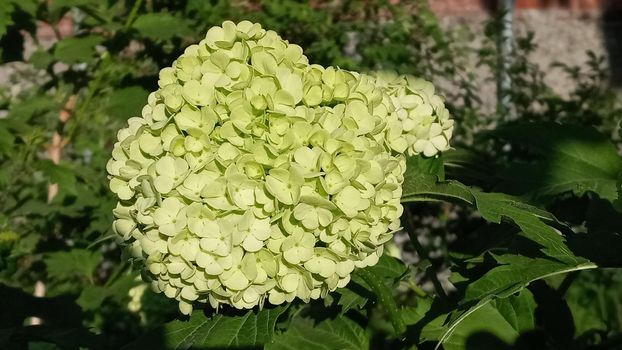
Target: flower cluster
(253,175)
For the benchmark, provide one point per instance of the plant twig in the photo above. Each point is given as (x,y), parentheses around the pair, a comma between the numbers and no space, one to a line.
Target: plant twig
(132,16)
(422,252)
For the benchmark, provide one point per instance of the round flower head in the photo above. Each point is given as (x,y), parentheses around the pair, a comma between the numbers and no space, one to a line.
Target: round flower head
(255,176)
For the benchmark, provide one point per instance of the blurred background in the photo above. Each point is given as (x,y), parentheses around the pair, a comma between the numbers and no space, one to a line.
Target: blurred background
(73,71)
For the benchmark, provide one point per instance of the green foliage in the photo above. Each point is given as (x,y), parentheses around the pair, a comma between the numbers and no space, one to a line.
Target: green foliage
(161,26)
(572,159)
(251,329)
(533,207)
(338,333)
(76,50)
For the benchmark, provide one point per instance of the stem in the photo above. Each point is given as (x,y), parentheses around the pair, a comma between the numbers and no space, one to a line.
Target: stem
(93,88)
(385,298)
(133,12)
(423,253)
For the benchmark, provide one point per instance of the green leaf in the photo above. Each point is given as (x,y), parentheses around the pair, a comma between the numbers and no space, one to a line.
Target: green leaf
(503,318)
(431,327)
(254,328)
(41,59)
(515,273)
(161,26)
(421,183)
(421,166)
(92,297)
(6,11)
(61,175)
(127,102)
(65,4)
(389,268)
(569,158)
(25,245)
(23,111)
(77,50)
(349,299)
(496,206)
(72,263)
(603,285)
(304,334)
(6,139)
(501,282)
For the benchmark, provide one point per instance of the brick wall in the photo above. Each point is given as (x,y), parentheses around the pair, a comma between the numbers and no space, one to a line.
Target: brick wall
(477,6)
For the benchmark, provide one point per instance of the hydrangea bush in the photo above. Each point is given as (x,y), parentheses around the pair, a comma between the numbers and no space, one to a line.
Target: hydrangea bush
(253,175)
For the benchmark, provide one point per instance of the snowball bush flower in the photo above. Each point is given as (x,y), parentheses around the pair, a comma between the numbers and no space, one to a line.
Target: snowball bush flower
(253,175)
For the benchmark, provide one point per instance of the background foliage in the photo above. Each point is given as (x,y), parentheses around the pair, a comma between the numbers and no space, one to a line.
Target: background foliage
(514,235)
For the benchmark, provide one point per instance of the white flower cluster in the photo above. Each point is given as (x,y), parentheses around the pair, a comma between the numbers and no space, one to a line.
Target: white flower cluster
(255,175)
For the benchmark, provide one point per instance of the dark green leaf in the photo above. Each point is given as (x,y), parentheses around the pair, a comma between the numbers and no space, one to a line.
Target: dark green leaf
(503,281)
(570,159)
(423,182)
(503,318)
(496,206)
(421,166)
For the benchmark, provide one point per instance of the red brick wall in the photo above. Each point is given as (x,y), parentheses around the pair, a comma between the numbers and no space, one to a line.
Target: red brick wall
(471,6)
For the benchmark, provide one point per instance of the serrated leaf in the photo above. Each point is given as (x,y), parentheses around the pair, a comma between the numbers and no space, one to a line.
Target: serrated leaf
(503,318)
(77,50)
(349,299)
(569,158)
(423,182)
(72,263)
(501,282)
(161,26)
(254,328)
(304,334)
(515,273)
(419,165)
(496,206)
